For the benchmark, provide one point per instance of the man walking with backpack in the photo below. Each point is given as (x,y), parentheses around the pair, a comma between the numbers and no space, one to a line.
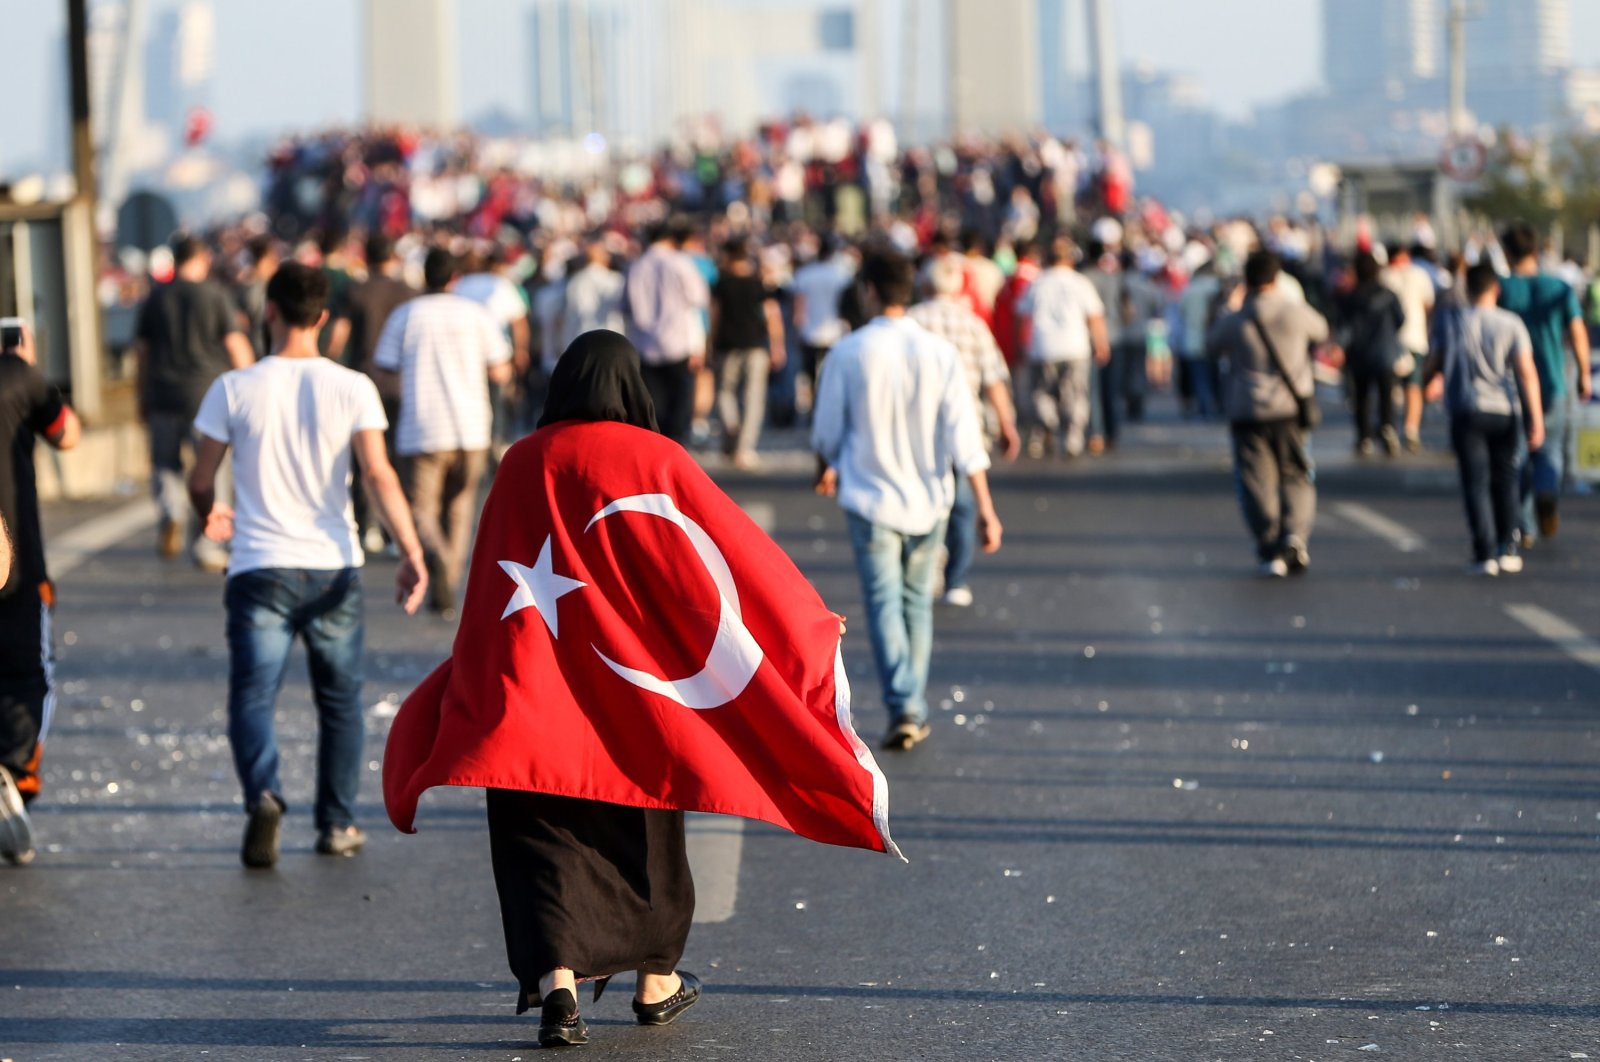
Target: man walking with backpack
(1269,397)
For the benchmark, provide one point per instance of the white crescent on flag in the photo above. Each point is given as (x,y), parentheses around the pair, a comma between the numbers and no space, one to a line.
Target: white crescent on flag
(734,658)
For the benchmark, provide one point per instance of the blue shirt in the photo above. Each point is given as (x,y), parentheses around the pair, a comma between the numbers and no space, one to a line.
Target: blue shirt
(1548,306)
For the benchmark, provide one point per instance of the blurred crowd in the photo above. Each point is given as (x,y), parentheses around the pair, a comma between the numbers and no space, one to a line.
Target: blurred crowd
(724,247)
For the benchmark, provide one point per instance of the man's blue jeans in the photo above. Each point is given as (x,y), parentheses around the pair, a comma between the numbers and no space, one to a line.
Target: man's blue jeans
(1544,470)
(961,540)
(897,581)
(267,609)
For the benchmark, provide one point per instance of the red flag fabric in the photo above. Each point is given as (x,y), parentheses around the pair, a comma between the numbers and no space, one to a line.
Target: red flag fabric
(630,636)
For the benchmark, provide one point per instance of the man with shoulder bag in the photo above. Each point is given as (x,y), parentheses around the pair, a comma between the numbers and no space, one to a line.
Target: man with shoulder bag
(1269,397)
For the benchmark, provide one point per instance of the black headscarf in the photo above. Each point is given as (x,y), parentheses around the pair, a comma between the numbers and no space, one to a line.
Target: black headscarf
(598,378)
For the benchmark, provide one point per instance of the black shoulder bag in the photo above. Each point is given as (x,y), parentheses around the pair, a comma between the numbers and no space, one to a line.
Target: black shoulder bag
(1308,414)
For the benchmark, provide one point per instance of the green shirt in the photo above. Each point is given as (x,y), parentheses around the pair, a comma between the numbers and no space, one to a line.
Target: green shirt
(1548,306)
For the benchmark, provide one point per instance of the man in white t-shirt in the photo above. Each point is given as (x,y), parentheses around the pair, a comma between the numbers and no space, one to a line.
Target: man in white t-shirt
(446,350)
(293,421)
(818,288)
(1414,287)
(485,281)
(1068,322)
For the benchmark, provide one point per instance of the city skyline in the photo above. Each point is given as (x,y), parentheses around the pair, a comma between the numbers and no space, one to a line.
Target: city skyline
(495,76)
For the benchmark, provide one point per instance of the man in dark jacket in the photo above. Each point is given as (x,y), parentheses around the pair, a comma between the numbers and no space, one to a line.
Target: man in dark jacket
(1370,318)
(1266,344)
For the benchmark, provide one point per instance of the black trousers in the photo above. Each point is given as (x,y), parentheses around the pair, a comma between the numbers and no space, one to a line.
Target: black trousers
(1486,455)
(671,388)
(1364,384)
(25,689)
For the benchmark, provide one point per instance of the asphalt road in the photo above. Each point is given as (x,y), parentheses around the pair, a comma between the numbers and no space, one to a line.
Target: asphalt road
(1169,811)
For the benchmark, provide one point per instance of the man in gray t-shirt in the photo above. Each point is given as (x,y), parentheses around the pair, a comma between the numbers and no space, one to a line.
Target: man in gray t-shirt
(1489,385)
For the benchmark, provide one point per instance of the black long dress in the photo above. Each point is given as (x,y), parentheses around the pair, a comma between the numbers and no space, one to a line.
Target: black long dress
(596,888)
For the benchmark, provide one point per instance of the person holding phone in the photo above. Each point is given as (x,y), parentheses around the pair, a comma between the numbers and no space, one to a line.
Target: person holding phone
(30,408)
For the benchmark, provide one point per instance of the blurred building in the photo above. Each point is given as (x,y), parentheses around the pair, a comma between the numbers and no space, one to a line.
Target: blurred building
(1380,44)
(641,73)
(994,65)
(410,54)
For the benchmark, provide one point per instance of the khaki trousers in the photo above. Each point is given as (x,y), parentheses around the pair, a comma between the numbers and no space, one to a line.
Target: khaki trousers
(442,488)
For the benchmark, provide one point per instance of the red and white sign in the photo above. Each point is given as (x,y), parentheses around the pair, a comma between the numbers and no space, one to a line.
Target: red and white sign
(1463,157)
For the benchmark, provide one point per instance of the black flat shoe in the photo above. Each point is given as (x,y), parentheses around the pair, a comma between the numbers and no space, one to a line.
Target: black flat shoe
(670,1009)
(559,1023)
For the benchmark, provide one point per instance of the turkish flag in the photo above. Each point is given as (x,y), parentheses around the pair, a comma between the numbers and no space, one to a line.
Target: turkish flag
(630,636)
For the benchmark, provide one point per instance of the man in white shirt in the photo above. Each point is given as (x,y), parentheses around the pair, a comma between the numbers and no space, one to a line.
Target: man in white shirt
(894,414)
(1414,287)
(293,421)
(1068,329)
(484,280)
(667,300)
(818,288)
(446,351)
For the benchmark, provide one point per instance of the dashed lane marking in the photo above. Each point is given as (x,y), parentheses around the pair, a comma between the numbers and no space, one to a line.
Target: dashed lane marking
(71,548)
(1553,628)
(1397,535)
(716,842)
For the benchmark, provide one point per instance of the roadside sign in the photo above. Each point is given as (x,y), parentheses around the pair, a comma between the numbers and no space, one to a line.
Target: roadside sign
(1463,157)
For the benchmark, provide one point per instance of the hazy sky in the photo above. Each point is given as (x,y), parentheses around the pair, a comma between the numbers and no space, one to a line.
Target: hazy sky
(296,63)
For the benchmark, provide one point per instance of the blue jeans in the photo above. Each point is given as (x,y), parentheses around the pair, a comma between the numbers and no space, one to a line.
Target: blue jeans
(1545,468)
(897,581)
(961,540)
(267,609)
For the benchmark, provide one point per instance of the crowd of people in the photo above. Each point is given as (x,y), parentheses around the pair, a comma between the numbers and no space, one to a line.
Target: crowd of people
(425,304)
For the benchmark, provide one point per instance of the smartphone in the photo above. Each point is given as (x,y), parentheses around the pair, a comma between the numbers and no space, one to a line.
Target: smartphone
(10,333)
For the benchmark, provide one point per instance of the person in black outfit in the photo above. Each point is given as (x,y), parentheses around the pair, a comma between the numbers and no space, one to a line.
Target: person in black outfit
(361,317)
(189,334)
(30,408)
(747,337)
(1370,317)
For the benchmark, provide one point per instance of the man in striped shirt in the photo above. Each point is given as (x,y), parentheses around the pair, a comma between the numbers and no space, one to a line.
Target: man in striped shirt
(446,351)
(948,316)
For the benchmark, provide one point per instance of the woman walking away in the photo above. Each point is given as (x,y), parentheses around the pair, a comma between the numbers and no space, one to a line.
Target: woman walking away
(602,541)
(1370,317)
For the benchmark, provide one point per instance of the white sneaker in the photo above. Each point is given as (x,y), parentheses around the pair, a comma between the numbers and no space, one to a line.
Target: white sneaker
(372,541)
(1276,568)
(16,832)
(1510,564)
(958,597)
(1489,568)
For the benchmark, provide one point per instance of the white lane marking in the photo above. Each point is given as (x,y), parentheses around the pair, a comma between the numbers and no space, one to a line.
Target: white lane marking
(1553,628)
(763,514)
(1399,536)
(71,548)
(716,842)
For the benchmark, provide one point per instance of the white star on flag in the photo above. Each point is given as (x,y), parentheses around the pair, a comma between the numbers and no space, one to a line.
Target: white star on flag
(538,587)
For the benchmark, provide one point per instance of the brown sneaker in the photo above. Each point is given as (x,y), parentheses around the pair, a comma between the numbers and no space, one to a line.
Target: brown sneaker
(340,840)
(904,734)
(1544,506)
(169,541)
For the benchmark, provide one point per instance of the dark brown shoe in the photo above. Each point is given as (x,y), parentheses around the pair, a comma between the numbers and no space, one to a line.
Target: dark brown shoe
(670,1009)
